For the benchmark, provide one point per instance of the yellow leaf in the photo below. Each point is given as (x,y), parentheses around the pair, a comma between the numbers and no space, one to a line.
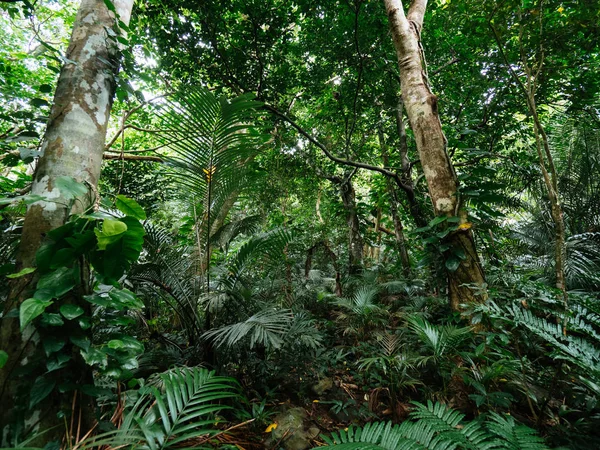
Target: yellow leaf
(560,9)
(271,428)
(465,226)
(315,401)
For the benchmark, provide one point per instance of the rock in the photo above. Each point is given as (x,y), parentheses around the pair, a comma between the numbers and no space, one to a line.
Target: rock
(322,386)
(290,423)
(313,432)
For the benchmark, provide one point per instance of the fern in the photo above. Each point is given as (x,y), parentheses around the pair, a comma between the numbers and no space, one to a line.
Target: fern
(437,427)
(166,420)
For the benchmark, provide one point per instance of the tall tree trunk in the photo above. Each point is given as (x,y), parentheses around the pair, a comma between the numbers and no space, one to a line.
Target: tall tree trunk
(355,240)
(72,146)
(533,73)
(398,228)
(406,177)
(466,283)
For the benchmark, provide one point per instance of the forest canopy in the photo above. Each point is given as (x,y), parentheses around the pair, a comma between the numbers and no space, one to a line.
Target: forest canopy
(358,224)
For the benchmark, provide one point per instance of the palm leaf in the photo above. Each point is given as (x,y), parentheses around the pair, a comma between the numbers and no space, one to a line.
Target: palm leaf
(266,328)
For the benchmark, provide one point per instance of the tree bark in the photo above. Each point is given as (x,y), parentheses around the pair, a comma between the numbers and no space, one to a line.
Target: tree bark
(398,228)
(355,240)
(72,146)
(465,284)
(542,146)
(406,177)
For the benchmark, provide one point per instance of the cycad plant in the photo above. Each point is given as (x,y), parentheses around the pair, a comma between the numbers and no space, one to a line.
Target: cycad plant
(394,364)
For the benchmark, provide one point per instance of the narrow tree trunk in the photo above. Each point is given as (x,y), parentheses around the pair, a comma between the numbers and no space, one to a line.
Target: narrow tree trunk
(533,72)
(355,240)
(467,282)
(398,228)
(73,147)
(413,205)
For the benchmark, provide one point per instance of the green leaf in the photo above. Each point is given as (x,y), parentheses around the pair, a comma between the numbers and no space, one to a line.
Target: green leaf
(130,208)
(59,281)
(22,272)
(81,341)
(115,344)
(124,298)
(52,320)
(30,309)
(63,258)
(40,390)
(112,231)
(3,358)
(95,357)
(71,311)
(57,361)
(52,344)
(437,221)
(110,5)
(44,294)
(70,188)
(38,102)
(44,255)
(460,253)
(452,263)
(85,322)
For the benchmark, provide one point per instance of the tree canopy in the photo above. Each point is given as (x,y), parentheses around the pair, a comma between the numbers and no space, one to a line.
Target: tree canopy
(288,224)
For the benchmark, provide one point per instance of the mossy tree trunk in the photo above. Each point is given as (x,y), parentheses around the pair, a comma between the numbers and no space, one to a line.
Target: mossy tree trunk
(72,146)
(466,282)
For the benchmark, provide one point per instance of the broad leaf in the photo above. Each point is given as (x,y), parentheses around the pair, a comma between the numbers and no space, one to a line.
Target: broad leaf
(58,282)
(130,208)
(70,188)
(3,358)
(71,311)
(40,390)
(112,231)
(30,309)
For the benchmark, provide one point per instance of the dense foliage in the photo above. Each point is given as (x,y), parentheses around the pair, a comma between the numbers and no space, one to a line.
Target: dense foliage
(261,263)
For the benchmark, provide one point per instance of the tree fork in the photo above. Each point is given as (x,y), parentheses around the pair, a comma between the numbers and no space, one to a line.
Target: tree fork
(466,283)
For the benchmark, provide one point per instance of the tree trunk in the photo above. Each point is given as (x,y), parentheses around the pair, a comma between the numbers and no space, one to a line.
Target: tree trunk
(406,177)
(466,283)
(72,146)
(355,240)
(398,228)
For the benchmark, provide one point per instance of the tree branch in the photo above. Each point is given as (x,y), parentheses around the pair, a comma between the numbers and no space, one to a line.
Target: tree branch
(323,148)
(416,12)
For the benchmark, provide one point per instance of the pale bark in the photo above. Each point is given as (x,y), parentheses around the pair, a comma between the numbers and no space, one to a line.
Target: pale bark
(72,146)
(467,282)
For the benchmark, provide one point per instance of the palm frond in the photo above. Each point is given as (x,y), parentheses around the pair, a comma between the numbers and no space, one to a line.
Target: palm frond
(265,328)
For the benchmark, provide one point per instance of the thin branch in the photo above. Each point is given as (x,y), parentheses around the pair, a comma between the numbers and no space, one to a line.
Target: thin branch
(128,157)
(332,157)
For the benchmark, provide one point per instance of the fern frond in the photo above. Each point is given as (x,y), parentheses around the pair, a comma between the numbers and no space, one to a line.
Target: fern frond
(437,427)
(166,420)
